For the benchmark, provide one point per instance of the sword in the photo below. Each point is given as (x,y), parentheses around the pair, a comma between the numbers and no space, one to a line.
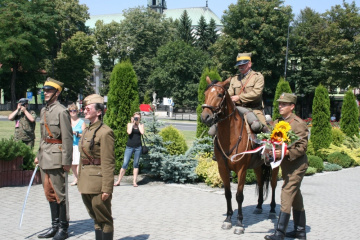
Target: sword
(67,195)
(27,194)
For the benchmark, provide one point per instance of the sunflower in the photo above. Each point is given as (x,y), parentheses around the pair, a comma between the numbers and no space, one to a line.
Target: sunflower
(279,135)
(284,126)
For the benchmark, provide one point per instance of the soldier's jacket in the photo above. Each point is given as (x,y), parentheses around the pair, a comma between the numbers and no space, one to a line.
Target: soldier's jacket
(24,130)
(297,151)
(53,155)
(251,95)
(96,179)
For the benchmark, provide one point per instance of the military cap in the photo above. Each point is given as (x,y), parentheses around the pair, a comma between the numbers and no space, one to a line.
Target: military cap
(23,101)
(93,98)
(53,84)
(242,58)
(288,98)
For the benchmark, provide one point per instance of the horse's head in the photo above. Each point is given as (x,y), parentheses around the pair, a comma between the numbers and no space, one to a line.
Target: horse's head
(215,95)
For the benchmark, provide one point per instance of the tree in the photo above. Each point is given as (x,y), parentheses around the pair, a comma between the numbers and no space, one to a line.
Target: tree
(74,64)
(201,128)
(261,30)
(282,87)
(212,32)
(202,35)
(179,67)
(184,28)
(26,33)
(349,122)
(321,127)
(123,101)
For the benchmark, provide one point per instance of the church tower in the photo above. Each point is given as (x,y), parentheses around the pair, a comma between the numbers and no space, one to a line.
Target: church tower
(157,5)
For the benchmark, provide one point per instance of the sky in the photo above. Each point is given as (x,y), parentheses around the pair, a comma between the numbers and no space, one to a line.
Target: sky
(97,7)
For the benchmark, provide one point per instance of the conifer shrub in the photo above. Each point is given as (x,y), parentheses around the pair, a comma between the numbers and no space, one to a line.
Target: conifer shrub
(340,158)
(201,128)
(175,140)
(352,153)
(207,170)
(310,149)
(310,171)
(321,127)
(337,136)
(328,167)
(249,179)
(316,162)
(352,142)
(11,149)
(283,86)
(349,121)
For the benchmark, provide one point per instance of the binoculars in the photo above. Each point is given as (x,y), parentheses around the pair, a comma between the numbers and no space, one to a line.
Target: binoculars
(23,101)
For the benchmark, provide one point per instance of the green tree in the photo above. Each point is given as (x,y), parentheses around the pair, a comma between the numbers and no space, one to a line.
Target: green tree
(349,122)
(74,64)
(177,74)
(321,127)
(212,32)
(108,49)
(26,33)
(202,35)
(174,140)
(123,101)
(282,87)
(201,128)
(184,28)
(259,29)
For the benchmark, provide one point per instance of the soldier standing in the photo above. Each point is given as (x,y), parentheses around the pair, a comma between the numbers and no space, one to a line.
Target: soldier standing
(293,167)
(97,165)
(24,123)
(55,157)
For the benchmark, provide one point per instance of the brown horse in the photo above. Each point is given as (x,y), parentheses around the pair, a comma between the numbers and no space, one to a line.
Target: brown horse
(232,138)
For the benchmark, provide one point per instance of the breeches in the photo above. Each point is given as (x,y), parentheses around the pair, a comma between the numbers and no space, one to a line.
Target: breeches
(99,211)
(53,181)
(260,115)
(290,193)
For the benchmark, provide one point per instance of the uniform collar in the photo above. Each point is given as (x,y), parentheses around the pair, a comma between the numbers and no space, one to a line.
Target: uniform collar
(51,106)
(94,125)
(289,118)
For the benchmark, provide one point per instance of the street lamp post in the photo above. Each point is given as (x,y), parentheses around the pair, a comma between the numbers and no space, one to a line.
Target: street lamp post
(287,42)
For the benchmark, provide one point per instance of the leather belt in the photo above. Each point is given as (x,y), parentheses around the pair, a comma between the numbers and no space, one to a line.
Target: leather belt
(88,162)
(52,140)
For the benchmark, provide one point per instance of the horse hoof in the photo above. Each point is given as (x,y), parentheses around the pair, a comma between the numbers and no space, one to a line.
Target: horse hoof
(257,211)
(226,225)
(239,230)
(272,216)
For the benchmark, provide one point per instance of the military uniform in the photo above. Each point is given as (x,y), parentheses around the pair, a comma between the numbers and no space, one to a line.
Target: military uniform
(96,173)
(25,129)
(55,151)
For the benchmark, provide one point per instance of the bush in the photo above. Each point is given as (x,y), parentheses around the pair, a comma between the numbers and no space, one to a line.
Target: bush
(175,141)
(10,149)
(349,121)
(331,167)
(337,136)
(352,153)
(341,159)
(207,171)
(352,142)
(310,149)
(281,87)
(316,162)
(310,171)
(250,177)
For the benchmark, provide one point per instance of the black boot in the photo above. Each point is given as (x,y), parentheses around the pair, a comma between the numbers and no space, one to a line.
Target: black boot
(108,236)
(63,223)
(280,227)
(299,225)
(98,234)
(54,209)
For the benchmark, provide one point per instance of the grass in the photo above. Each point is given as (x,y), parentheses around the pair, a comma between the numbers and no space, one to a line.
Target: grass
(189,137)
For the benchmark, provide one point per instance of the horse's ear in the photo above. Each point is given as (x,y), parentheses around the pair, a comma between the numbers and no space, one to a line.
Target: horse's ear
(208,80)
(227,82)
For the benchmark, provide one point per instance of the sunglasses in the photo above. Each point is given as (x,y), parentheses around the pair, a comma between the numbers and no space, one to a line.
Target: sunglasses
(72,110)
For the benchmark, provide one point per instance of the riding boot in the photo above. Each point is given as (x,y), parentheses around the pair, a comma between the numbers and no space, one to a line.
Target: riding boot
(54,210)
(299,225)
(63,224)
(98,234)
(280,227)
(108,236)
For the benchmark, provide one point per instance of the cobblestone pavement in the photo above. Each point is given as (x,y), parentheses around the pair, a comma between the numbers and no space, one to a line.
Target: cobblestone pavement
(159,211)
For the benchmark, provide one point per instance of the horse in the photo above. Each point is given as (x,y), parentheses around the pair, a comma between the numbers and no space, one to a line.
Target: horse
(233,138)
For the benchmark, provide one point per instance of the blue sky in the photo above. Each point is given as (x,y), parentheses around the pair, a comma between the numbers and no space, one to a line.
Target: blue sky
(97,7)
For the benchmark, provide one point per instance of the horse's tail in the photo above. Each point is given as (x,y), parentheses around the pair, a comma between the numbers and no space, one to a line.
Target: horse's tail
(265,177)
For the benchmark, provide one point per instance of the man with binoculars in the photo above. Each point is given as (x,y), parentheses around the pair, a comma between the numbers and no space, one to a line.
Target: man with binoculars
(24,123)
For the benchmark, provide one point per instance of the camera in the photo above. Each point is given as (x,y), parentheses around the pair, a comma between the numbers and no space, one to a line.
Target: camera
(23,101)
(136,119)
(76,134)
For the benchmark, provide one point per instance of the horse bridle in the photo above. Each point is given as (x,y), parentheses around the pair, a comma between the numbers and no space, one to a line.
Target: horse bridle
(217,110)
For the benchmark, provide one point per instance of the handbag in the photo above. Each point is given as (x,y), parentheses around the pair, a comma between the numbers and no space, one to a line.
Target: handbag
(144,148)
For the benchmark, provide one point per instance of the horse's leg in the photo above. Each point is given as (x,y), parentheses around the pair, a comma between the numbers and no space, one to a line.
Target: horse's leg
(260,185)
(239,228)
(225,176)
(274,173)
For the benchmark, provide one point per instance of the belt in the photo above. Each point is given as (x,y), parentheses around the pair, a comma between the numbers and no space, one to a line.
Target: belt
(52,140)
(88,162)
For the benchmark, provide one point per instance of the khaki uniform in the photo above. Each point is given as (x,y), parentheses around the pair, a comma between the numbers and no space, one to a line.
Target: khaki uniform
(251,94)
(24,129)
(294,166)
(96,176)
(52,156)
